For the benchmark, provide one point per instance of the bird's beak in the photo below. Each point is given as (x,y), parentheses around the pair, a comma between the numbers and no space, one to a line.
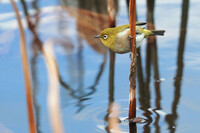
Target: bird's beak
(98,36)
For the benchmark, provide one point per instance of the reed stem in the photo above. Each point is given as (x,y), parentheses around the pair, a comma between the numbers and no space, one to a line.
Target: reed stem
(132,77)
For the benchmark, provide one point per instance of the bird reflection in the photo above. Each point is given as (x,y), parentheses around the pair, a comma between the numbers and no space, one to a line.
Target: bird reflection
(171,118)
(78,9)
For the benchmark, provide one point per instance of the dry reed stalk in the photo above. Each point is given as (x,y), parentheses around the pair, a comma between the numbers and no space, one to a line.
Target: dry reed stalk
(113,120)
(132,77)
(53,98)
(26,72)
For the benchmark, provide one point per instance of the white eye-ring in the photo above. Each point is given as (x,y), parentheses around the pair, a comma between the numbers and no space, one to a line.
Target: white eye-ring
(105,36)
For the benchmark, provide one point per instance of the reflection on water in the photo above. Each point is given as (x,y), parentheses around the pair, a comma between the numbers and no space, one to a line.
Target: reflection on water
(172,118)
(89,84)
(37,48)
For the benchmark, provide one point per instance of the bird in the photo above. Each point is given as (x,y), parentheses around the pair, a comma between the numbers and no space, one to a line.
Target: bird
(118,38)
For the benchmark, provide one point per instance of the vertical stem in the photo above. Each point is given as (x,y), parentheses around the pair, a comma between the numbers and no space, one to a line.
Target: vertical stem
(111,16)
(25,64)
(132,77)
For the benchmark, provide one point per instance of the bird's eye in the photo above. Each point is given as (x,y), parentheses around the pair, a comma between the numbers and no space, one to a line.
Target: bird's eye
(105,36)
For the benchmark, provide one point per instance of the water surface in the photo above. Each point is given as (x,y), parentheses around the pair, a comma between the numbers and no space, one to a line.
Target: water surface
(168,66)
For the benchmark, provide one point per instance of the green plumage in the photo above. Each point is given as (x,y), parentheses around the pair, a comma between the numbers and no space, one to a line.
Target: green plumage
(118,38)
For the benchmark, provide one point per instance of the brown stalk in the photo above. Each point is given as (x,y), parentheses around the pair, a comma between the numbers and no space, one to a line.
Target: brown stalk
(25,64)
(132,77)
(53,92)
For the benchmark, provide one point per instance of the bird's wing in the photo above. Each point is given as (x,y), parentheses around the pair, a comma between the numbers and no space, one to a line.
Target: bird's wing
(137,24)
(125,27)
(138,29)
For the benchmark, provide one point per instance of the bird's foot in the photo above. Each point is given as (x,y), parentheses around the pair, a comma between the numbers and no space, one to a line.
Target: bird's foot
(131,56)
(130,37)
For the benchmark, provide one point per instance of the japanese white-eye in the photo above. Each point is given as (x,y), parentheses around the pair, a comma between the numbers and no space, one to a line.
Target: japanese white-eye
(118,38)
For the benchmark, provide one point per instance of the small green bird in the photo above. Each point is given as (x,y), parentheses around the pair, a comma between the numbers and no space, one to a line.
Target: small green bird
(118,38)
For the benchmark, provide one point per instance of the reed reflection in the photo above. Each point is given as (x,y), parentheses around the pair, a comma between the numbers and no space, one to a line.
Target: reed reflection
(171,118)
(151,59)
(112,23)
(111,98)
(98,6)
(152,44)
(36,44)
(81,93)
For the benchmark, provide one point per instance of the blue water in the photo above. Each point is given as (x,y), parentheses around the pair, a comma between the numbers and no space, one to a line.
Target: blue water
(80,61)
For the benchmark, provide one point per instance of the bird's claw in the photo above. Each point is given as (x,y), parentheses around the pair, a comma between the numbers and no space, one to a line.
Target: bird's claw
(131,56)
(130,37)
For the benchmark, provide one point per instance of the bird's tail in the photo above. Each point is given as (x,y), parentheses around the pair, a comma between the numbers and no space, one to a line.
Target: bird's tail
(153,32)
(157,32)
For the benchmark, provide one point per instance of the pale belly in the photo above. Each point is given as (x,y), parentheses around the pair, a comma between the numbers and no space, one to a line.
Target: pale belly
(123,45)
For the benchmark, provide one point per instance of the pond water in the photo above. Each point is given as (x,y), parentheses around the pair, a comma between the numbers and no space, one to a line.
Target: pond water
(168,66)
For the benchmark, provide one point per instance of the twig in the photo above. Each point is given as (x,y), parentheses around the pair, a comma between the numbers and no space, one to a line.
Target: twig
(132,77)
(26,72)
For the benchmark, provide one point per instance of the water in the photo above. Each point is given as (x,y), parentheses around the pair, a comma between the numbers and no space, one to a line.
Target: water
(168,70)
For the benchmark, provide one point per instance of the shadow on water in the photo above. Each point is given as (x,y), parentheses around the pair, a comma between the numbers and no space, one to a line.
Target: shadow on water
(171,118)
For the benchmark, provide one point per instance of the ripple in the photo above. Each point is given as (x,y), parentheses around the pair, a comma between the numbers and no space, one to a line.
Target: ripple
(150,118)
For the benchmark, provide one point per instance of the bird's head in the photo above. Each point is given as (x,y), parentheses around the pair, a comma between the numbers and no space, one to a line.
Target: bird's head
(107,37)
